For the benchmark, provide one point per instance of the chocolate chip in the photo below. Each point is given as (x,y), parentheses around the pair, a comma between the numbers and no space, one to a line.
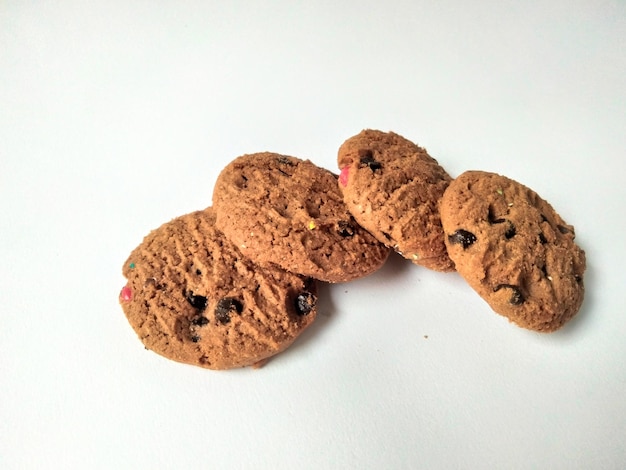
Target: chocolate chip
(544,270)
(198,272)
(542,238)
(345,229)
(367,158)
(200,321)
(563,229)
(579,278)
(386,235)
(517,298)
(510,231)
(304,303)
(544,218)
(226,307)
(199,302)
(463,237)
(284,160)
(491,218)
(195,338)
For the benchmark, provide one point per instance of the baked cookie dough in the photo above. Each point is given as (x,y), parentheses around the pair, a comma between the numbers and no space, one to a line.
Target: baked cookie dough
(192,297)
(512,247)
(286,211)
(392,187)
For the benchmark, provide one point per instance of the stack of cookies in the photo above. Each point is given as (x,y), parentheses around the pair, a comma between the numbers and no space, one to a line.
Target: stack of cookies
(234,284)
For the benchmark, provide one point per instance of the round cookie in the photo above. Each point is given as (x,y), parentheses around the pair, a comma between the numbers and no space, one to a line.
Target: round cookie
(192,297)
(514,249)
(283,210)
(392,187)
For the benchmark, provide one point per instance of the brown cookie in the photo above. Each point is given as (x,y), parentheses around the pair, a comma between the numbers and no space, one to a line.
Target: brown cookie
(514,249)
(392,187)
(290,212)
(192,297)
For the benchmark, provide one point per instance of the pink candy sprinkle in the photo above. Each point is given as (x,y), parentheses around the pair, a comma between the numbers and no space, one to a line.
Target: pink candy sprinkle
(126,294)
(343,176)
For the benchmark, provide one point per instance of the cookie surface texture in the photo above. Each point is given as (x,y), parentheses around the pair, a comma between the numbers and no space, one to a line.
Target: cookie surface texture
(392,187)
(193,298)
(287,211)
(514,249)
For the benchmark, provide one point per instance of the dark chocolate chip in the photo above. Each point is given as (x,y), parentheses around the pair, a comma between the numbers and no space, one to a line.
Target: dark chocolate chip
(542,238)
(198,272)
(510,231)
(544,270)
(199,302)
(367,158)
(579,278)
(517,298)
(226,307)
(200,321)
(195,338)
(304,303)
(563,229)
(387,236)
(284,160)
(491,218)
(345,229)
(544,218)
(463,237)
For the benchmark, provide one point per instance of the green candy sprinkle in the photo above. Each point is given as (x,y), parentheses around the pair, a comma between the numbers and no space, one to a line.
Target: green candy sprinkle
(131,265)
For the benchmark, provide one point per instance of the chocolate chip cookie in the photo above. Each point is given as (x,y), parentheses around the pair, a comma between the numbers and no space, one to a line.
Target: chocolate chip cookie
(513,248)
(282,210)
(191,296)
(392,187)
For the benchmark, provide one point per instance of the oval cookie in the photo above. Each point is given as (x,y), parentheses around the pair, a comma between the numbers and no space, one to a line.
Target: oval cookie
(287,211)
(392,187)
(513,248)
(192,297)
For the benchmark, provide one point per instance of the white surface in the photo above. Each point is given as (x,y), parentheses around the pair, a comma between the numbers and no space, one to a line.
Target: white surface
(117,116)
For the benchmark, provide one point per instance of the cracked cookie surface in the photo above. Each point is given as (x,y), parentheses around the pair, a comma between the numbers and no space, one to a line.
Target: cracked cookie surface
(513,248)
(282,210)
(392,187)
(192,297)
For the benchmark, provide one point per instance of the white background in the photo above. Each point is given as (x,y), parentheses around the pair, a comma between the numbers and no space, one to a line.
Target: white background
(116,116)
